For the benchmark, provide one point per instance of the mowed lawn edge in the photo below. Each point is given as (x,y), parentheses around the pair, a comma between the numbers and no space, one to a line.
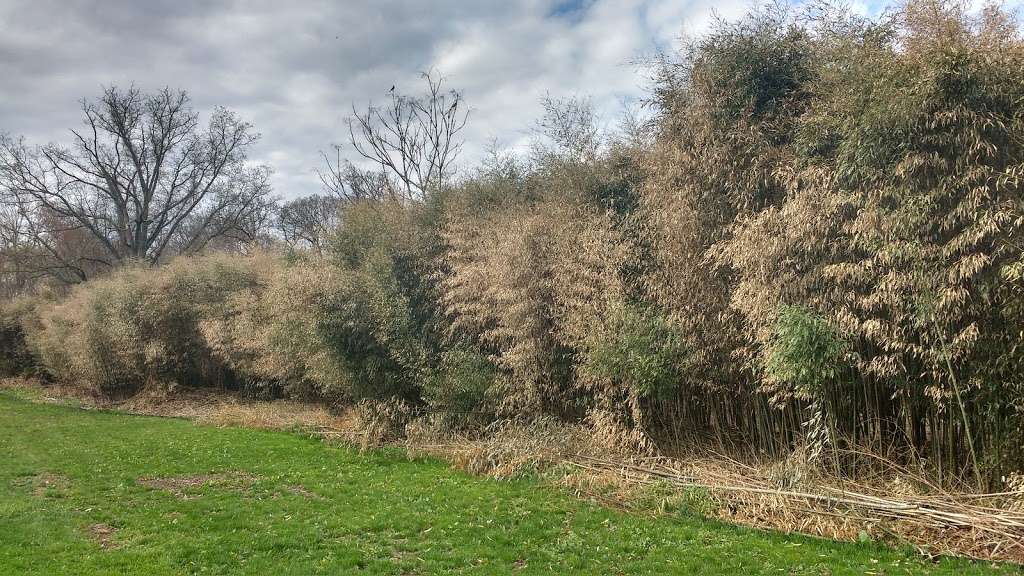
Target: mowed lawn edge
(95,492)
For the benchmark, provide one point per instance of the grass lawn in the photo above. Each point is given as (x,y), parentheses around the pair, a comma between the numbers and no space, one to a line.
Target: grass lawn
(88,492)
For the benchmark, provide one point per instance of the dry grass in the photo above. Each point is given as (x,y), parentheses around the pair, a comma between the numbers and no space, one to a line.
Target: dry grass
(45,484)
(303,491)
(278,415)
(104,535)
(204,406)
(984,526)
(508,448)
(186,487)
(52,391)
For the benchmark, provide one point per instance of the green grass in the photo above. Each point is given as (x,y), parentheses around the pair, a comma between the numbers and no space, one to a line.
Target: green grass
(64,470)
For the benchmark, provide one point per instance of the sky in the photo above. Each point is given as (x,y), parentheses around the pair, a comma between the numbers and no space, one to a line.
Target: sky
(294,68)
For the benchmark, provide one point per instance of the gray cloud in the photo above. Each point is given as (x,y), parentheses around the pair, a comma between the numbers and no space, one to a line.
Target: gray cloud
(294,68)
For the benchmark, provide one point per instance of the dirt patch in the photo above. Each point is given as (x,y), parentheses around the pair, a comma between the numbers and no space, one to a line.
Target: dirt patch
(302,491)
(104,535)
(186,487)
(45,484)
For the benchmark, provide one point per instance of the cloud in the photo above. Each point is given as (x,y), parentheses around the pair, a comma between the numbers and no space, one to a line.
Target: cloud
(294,68)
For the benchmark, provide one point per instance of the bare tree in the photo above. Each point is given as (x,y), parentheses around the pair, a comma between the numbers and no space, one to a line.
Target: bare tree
(307,221)
(239,211)
(142,180)
(413,140)
(346,182)
(45,245)
(15,250)
(568,128)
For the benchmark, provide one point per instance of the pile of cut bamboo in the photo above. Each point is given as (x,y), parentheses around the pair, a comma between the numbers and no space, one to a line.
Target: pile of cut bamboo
(976,525)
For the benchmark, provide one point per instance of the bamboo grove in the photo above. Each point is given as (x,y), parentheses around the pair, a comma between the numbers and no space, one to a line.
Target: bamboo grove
(814,245)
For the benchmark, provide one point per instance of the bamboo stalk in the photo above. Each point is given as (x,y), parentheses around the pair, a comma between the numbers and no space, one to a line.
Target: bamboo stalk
(943,512)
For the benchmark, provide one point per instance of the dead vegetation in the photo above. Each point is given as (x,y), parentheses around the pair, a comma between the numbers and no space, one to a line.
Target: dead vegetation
(187,487)
(890,504)
(936,522)
(204,406)
(302,491)
(105,535)
(45,484)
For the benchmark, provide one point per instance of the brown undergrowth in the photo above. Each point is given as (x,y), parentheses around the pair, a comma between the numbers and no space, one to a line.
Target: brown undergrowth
(890,504)
(187,487)
(204,406)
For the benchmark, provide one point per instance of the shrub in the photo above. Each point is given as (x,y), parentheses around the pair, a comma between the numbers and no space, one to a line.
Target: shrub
(381,324)
(94,337)
(263,334)
(460,394)
(635,361)
(15,355)
(140,326)
(805,354)
(805,359)
(528,284)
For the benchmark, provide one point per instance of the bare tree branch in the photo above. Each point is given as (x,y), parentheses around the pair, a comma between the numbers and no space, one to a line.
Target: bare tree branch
(412,140)
(141,177)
